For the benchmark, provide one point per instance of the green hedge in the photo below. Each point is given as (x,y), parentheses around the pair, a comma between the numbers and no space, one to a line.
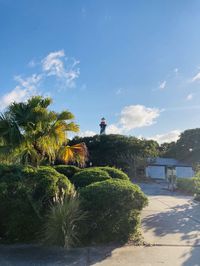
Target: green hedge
(113,208)
(67,170)
(88,176)
(115,173)
(190,186)
(25,196)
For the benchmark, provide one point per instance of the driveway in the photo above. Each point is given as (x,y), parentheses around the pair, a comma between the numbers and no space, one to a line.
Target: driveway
(170,225)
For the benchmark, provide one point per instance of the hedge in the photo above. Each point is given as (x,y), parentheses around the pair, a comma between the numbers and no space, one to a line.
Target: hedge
(88,176)
(115,173)
(113,208)
(25,196)
(190,186)
(67,170)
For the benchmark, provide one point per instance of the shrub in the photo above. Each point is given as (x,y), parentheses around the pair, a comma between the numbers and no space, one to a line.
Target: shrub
(113,208)
(25,196)
(115,173)
(62,223)
(190,186)
(67,170)
(88,176)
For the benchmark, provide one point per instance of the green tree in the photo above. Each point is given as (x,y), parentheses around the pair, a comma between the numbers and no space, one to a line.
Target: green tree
(118,150)
(32,134)
(187,147)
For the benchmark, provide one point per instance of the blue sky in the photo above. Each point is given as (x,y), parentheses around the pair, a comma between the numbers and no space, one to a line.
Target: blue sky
(137,63)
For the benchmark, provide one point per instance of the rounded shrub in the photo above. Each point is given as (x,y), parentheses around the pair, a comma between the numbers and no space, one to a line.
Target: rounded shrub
(25,196)
(67,170)
(113,208)
(115,173)
(89,176)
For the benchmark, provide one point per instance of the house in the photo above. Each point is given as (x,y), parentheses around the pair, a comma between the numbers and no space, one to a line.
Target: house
(158,167)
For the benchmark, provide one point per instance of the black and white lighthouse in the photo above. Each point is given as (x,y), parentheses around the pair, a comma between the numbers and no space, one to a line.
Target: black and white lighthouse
(103,126)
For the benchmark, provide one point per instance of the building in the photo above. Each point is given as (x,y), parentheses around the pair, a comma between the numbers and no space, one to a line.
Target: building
(158,168)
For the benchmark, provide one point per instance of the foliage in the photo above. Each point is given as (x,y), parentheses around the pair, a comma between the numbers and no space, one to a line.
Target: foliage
(111,150)
(114,172)
(113,210)
(88,176)
(67,170)
(30,134)
(190,185)
(63,219)
(25,196)
(187,148)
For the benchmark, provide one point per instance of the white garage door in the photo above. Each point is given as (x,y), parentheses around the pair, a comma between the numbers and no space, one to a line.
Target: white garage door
(155,171)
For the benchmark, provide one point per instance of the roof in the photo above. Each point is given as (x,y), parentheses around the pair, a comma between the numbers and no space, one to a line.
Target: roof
(166,162)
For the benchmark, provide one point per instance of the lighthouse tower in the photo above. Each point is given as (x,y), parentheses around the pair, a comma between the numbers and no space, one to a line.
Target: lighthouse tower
(103,126)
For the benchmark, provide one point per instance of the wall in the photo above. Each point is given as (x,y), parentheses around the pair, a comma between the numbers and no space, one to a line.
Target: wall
(184,172)
(155,171)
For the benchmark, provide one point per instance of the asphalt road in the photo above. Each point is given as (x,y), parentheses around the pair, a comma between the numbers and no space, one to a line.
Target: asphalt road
(170,225)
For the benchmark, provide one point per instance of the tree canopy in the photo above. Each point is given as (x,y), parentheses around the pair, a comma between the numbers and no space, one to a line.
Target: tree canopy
(117,150)
(30,133)
(187,148)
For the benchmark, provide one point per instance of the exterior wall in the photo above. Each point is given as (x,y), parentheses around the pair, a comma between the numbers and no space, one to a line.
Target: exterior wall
(155,171)
(184,172)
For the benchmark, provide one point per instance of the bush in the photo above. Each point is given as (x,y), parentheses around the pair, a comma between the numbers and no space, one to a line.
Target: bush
(89,176)
(62,223)
(113,208)
(115,173)
(187,185)
(25,196)
(67,170)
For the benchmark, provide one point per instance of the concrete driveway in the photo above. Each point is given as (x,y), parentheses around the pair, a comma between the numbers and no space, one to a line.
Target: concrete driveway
(170,225)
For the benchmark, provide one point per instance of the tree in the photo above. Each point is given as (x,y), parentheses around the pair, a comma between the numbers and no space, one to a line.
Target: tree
(118,150)
(187,147)
(32,134)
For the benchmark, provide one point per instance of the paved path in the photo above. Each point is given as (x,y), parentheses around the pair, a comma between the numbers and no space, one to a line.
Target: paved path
(171,224)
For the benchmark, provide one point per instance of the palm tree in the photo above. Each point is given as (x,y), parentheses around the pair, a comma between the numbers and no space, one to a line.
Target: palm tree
(32,134)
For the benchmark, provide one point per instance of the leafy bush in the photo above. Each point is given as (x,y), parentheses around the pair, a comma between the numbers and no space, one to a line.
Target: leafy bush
(115,173)
(25,196)
(113,208)
(67,170)
(62,223)
(88,176)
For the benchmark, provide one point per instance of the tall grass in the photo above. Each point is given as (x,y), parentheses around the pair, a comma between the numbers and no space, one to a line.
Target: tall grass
(61,226)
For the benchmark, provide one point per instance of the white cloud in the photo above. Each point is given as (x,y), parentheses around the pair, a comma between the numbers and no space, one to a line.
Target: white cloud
(26,88)
(189,97)
(54,64)
(113,129)
(133,116)
(163,85)
(196,77)
(176,70)
(167,137)
(136,116)
(87,133)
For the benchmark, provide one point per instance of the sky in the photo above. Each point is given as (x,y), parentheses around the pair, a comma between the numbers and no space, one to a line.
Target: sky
(136,63)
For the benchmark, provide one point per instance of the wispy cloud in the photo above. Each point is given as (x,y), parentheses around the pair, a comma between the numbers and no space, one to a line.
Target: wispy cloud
(26,87)
(163,85)
(55,64)
(189,97)
(196,77)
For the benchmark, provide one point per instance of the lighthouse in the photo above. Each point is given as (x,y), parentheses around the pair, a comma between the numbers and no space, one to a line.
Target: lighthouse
(103,126)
